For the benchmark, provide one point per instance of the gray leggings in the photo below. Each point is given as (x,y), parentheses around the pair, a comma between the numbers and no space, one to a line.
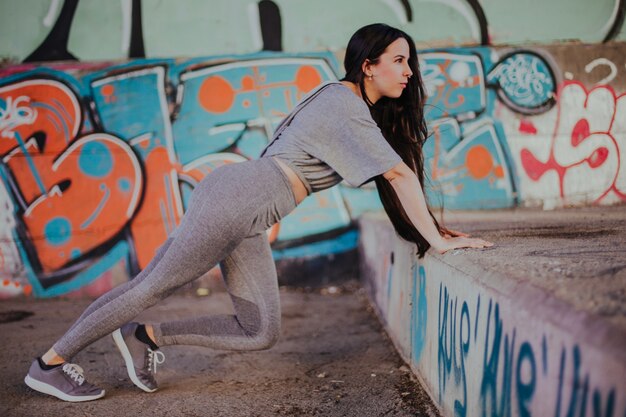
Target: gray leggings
(226,222)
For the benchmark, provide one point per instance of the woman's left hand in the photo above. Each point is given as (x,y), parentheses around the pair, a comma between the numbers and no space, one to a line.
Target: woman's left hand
(448,243)
(448,233)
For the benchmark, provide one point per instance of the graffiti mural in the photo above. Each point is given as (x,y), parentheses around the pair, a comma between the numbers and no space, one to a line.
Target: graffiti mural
(571,154)
(99,159)
(97,168)
(586,146)
(467,157)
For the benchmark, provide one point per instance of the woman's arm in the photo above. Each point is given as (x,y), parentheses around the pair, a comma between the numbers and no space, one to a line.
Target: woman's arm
(409,191)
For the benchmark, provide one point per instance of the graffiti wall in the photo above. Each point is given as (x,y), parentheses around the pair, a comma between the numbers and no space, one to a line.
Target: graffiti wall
(98,162)
(484,348)
(99,158)
(532,127)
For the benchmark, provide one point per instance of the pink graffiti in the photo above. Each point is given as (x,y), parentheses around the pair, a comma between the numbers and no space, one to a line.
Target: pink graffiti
(585,152)
(527,127)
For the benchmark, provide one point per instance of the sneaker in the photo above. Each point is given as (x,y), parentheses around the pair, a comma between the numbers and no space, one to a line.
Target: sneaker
(65,382)
(141,361)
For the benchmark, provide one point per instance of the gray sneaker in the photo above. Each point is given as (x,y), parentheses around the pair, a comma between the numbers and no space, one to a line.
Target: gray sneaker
(141,361)
(65,382)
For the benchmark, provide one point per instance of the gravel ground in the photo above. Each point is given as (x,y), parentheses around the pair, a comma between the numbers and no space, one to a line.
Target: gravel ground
(333,359)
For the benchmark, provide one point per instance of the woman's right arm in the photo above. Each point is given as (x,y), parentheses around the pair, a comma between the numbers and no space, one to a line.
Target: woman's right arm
(409,191)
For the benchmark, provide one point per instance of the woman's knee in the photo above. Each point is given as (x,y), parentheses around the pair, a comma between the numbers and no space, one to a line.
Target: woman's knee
(266,335)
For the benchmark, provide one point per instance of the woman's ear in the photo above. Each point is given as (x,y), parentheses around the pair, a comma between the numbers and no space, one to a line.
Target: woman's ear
(366,68)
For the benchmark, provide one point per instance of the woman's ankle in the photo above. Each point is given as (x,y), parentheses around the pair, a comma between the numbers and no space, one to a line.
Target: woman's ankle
(150,332)
(142,333)
(51,358)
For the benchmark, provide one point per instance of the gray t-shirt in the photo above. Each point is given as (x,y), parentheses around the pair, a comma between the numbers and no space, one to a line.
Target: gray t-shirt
(331,135)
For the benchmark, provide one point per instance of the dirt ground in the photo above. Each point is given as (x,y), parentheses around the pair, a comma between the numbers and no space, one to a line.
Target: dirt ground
(333,359)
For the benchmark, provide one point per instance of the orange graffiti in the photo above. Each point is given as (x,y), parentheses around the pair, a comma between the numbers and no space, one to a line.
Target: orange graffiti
(479,162)
(159,213)
(60,118)
(45,119)
(103,200)
(107,90)
(108,93)
(307,78)
(216,95)
(247,83)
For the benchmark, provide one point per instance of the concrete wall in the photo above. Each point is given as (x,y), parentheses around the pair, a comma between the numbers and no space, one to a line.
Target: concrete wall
(487,345)
(99,157)
(112,29)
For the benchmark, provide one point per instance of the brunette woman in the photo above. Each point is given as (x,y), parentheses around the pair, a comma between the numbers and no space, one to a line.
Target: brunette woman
(369,126)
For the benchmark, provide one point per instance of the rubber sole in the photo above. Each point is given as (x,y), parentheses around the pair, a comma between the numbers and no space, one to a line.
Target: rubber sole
(128,360)
(55,392)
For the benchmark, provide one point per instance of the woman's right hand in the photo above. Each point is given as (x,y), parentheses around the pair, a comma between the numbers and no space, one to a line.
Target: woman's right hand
(447,243)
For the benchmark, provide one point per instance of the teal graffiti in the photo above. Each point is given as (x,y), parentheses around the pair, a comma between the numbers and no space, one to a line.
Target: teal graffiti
(525,389)
(597,404)
(419,312)
(525,82)
(508,379)
(496,402)
(579,390)
(460,408)
(447,362)
(444,360)
(463,88)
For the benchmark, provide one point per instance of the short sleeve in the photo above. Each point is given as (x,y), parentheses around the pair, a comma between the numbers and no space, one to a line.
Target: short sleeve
(352,143)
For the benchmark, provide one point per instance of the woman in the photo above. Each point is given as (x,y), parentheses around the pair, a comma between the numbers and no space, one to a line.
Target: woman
(368,126)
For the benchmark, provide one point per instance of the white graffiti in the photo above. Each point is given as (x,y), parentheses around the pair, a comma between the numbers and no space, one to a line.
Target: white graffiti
(127,17)
(523,79)
(398,10)
(13,116)
(10,263)
(52,11)
(254,20)
(432,77)
(574,154)
(605,62)
(461,73)
(463,8)
(606,29)
(588,142)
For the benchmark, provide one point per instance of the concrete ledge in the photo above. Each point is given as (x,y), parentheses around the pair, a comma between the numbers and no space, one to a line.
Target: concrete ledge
(528,327)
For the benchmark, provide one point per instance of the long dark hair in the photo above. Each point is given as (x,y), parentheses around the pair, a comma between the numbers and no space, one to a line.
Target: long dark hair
(401,120)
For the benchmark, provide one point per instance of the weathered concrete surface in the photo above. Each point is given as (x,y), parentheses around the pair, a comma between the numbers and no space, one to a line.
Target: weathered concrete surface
(576,255)
(535,325)
(333,359)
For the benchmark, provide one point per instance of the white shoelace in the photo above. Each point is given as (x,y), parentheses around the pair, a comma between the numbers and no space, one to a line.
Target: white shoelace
(75,372)
(155,357)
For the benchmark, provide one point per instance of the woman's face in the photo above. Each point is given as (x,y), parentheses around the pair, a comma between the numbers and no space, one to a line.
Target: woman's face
(390,75)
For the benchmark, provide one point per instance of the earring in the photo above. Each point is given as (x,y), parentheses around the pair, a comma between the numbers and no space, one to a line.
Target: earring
(371,77)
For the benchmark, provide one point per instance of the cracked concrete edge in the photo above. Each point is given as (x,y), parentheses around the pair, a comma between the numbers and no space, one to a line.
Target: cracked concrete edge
(598,332)
(522,305)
